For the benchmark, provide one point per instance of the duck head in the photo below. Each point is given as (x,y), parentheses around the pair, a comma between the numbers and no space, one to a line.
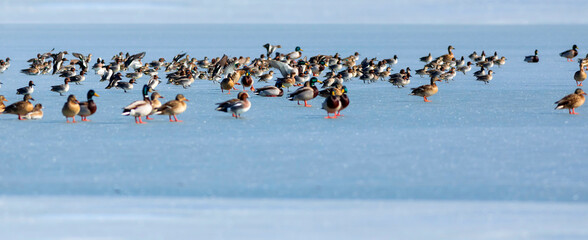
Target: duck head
(91,94)
(27,97)
(297,49)
(72,99)
(579,91)
(180,97)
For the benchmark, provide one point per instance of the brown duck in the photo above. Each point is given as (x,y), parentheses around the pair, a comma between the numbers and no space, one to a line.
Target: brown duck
(572,101)
(21,108)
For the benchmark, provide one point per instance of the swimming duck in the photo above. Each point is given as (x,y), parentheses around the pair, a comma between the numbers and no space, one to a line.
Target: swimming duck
(296,54)
(344,101)
(20,108)
(570,54)
(71,108)
(332,104)
(485,78)
(2,106)
(173,108)
(126,86)
(580,75)
(88,108)
(61,88)
(532,58)
(308,92)
(139,108)
(426,90)
(236,106)
(271,48)
(26,90)
(36,114)
(270,91)
(572,101)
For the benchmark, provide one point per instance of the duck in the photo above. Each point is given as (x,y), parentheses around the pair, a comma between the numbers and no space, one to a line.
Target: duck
(473,56)
(266,77)
(126,86)
(461,62)
(332,104)
(572,101)
(426,90)
(481,58)
(271,48)
(465,68)
(155,104)
(173,108)
(270,91)
(36,114)
(153,82)
(400,81)
(2,106)
(485,78)
(570,54)
(236,106)
(21,108)
(449,56)
(427,58)
(448,75)
(247,81)
(139,108)
(31,71)
(71,108)
(580,75)
(296,54)
(61,88)
(480,72)
(77,79)
(344,101)
(88,108)
(532,58)
(500,61)
(308,92)
(227,84)
(26,90)
(288,82)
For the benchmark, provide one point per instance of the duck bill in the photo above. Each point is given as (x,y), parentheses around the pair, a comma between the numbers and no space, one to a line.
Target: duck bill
(96,95)
(186,100)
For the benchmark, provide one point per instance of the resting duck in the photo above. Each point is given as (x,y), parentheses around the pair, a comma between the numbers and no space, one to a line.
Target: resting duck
(139,108)
(308,92)
(173,108)
(26,90)
(427,58)
(36,114)
(570,54)
(332,104)
(61,88)
(236,106)
(2,106)
(155,103)
(572,101)
(20,108)
(71,108)
(288,82)
(449,56)
(485,78)
(580,75)
(344,101)
(266,77)
(426,90)
(296,54)
(270,91)
(532,58)
(88,108)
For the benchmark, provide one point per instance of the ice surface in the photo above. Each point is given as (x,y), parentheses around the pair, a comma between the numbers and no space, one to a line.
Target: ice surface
(500,141)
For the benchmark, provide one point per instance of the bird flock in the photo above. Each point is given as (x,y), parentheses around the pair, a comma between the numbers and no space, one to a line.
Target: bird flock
(295,71)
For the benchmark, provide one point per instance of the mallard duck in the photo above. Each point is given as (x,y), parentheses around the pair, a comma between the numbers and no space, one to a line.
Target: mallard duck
(572,101)
(26,90)
(36,114)
(61,88)
(173,108)
(570,54)
(532,58)
(426,90)
(332,104)
(288,82)
(20,108)
(71,108)
(344,101)
(139,108)
(88,108)
(580,75)
(270,91)
(155,103)
(236,106)
(485,78)
(2,106)
(271,48)
(308,92)
(296,54)
(228,84)
(247,81)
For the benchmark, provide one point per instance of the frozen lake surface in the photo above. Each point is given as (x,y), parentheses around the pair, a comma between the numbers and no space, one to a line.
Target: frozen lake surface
(498,145)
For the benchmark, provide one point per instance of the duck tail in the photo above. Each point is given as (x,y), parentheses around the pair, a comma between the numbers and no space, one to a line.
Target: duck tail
(126,112)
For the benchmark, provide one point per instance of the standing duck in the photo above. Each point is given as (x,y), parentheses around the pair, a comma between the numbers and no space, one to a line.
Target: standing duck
(20,108)
(173,108)
(449,56)
(61,88)
(2,106)
(247,81)
(485,78)
(88,108)
(332,104)
(580,75)
(344,101)
(36,114)
(572,101)
(236,106)
(570,54)
(26,90)
(532,58)
(153,82)
(139,108)
(426,90)
(71,108)
(126,86)
(228,84)
(270,91)
(308,92)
